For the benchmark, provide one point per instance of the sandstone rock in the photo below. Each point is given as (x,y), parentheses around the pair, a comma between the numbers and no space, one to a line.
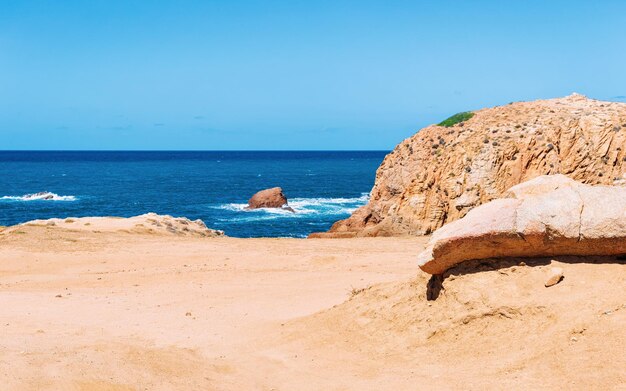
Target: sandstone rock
(547,216)
(441,173)
(149,223)
(331,235)
(269,198)
(555,276)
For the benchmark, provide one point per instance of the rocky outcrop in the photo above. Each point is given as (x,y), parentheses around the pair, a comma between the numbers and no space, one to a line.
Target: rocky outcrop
(41,196)
(269,198)
(150,223)
(44,195)
(547,216)
(441,173)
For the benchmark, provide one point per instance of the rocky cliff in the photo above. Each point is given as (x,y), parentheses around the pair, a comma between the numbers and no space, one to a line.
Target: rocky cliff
(441,173)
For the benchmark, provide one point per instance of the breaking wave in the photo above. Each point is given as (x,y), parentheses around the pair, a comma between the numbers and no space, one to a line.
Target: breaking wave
(42,196)
(303,207)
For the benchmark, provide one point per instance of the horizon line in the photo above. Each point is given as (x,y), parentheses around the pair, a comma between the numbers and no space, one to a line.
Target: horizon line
(195,150)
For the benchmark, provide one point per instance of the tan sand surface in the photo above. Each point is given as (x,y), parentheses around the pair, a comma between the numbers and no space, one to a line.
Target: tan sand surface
(84,310)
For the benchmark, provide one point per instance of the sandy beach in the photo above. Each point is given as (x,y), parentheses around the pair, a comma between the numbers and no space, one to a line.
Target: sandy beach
(312,196)
(86,309)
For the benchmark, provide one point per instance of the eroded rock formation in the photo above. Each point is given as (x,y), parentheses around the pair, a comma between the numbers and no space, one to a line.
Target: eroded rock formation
(548,216)
(441,173)
(149,223)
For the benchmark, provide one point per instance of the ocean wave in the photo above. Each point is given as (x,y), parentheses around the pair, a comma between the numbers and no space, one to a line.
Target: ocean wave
(303,207)
(41,196)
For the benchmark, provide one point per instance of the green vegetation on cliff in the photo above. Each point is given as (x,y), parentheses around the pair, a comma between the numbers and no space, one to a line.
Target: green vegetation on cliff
(456,118)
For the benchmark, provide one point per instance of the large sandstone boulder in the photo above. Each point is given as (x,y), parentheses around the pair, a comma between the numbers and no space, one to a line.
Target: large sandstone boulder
(269,198)
(441,173)
(548,216)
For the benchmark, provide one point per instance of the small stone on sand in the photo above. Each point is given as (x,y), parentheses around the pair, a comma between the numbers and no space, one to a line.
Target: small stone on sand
(556,275)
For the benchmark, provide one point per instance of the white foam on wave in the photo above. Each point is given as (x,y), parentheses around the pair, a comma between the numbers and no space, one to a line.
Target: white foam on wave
(302,207)
(42,196)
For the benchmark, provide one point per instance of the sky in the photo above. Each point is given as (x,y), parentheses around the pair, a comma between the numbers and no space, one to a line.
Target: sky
(288,75)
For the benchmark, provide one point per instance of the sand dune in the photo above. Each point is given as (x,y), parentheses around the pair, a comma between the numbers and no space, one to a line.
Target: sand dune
(122,310)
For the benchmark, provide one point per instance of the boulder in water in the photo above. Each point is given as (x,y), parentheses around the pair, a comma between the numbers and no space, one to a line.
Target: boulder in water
(44,195)
(269,198)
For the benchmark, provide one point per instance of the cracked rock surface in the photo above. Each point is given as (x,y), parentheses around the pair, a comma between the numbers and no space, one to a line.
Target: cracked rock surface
(548,216)
(441,173)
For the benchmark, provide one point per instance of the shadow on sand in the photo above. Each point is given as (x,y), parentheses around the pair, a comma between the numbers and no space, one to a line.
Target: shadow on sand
(435,284)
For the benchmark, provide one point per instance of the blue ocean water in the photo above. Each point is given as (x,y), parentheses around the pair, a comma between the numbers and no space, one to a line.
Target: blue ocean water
(322,187)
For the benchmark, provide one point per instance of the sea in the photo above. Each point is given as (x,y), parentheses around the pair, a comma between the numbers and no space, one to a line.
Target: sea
(214,186)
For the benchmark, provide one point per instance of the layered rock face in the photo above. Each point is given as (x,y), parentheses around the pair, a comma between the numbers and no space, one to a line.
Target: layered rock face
(441,173)
(547,216)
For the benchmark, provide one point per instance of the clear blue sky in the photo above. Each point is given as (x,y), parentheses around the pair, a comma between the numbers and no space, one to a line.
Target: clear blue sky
(288,75)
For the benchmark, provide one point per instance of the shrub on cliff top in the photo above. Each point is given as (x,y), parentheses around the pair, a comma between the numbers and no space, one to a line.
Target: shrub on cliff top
(456,119)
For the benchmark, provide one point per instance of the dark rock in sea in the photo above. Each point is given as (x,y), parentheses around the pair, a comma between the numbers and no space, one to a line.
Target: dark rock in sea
(269,198)
(43,195)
